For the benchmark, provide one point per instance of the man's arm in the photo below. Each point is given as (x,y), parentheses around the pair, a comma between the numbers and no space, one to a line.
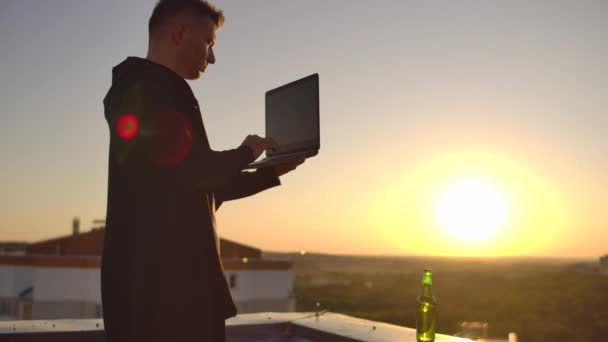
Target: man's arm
(246,184)
(163,148)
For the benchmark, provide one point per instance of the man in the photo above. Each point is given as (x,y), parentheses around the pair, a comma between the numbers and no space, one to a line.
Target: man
(161,276)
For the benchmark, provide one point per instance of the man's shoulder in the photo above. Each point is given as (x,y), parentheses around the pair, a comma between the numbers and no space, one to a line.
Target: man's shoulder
(163,83)
(154,78)
(152,83)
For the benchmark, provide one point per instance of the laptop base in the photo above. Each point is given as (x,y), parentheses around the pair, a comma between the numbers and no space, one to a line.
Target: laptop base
(275,160)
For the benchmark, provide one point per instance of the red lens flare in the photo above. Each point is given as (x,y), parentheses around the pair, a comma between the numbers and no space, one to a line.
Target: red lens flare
(170,138)
(127,126)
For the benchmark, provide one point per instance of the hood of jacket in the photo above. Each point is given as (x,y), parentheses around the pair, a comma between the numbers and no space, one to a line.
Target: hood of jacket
(133,69)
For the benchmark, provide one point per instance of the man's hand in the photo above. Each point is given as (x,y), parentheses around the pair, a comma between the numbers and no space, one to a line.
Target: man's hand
(258,144)
(283,168)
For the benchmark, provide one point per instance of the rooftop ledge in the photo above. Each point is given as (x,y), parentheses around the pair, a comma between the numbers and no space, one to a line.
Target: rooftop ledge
(262,326)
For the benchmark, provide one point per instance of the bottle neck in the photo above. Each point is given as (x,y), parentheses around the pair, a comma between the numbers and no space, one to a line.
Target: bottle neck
(427,278)
(427,282)
(426,290)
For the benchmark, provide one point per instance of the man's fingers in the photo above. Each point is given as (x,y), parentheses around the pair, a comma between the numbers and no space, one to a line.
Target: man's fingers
(273,144)
(266,143)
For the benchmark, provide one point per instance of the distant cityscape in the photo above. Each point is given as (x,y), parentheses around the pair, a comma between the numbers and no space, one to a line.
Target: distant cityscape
(58,278)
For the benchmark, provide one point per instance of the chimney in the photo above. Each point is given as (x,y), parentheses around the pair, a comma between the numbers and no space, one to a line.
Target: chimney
(75,226)
(98,224)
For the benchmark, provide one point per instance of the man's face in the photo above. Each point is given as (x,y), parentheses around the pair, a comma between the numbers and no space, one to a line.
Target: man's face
(196,49)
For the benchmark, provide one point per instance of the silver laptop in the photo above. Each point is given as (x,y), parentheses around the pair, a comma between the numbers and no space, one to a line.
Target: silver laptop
(292,119)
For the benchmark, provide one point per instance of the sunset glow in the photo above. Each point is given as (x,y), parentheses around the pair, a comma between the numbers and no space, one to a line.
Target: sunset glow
(433,104)
(471,203)
(472,210)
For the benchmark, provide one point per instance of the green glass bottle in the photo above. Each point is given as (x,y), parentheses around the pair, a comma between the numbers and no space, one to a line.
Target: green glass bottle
(426,315)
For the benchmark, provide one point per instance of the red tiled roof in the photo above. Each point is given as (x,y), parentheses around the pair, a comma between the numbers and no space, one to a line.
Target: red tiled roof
(91,243)
(42,260)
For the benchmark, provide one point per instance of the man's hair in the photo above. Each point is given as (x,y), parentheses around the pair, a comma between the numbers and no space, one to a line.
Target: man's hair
(165,9)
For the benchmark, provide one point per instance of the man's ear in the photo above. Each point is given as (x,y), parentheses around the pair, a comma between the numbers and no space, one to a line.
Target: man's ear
(178,33)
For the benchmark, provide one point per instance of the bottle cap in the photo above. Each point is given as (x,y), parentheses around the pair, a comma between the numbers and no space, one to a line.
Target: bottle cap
(427,276)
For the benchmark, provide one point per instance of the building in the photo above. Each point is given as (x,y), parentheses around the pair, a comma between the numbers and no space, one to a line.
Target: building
(60,278)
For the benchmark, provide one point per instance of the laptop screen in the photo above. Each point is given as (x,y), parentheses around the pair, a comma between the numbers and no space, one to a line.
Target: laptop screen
(292,115)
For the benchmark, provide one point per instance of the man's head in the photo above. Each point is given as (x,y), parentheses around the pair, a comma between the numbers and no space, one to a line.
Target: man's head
(182,35)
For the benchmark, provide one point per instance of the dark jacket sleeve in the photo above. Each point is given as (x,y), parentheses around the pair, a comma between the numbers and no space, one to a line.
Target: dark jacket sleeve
(246,184)
(166,142)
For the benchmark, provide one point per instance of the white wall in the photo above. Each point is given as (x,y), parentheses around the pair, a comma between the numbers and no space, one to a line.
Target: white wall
(261,284)
(62,283)
(84,284)
(7,281)
(14,279)
(51,283)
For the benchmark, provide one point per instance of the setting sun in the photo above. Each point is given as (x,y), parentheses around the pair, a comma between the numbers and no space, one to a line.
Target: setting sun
(472,210)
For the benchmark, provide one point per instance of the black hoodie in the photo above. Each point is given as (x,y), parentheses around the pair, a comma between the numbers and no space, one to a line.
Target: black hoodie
(161,274)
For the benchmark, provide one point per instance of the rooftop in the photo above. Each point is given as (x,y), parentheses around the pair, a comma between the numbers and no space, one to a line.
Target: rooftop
(262,326)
